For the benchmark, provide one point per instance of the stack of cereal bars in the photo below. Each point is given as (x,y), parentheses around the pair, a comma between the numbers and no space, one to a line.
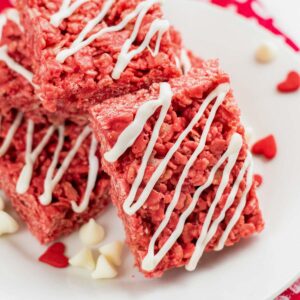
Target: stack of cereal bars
(100,102)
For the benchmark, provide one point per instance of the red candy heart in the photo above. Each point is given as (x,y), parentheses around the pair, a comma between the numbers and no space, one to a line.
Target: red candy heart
(54,256)
(266,147)
(259,180)
(290,84)
(5,4)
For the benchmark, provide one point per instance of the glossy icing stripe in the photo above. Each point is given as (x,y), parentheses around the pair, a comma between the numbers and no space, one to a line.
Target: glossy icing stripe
(151,260)
(13,65)
(127,138)
(208,230)
(25,176)
(12,15)
(220,92)
(10,134)
(132,205)
(185,61)
(92,178)
(52,180)
(65,11)
(165,99)
(93,23)
(158,27)
(238,211)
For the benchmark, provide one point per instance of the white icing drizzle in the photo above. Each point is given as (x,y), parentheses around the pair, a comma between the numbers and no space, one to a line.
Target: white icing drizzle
(185,61)
(220,92)
(94,22)
(178,62)
(31,156)
(207,233)
(65,11)
(128,137)
(151,260)
(238,211)
(52,180)
(132,132)
(14,65)
(92,177)
(158,27)
(12,15)
(10,134)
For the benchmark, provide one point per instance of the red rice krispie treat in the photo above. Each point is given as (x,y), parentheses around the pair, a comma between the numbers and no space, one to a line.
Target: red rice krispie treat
(16,87)
(181,169)
(85,52)
(51,174)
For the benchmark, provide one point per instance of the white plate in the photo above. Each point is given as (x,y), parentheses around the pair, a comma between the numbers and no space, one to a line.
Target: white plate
(256,269)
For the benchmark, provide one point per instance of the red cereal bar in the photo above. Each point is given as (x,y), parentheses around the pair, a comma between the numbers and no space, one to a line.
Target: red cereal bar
(51,174)
(180,167)
(16,87)
(86,51)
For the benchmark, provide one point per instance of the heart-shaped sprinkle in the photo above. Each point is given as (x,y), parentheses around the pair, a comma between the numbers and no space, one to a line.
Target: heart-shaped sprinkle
(258,179)
(54,256)
(290,84)
(266,147)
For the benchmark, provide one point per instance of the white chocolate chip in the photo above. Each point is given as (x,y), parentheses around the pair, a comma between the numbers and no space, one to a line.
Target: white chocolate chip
(104,269)
(266,52)
(83,259)
(113,252)
(8,224)
(91,233)
(2,204)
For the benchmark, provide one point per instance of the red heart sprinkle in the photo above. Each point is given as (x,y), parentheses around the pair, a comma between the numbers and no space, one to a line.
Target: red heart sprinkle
(54,256)
(259,180)
(5,4)
(290,84)
(266,147)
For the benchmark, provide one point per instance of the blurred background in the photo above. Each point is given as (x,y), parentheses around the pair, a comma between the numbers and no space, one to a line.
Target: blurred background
(282,17)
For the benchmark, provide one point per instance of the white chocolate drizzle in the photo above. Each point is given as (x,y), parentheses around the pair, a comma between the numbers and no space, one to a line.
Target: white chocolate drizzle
(132,205)
(31,156)
(11,133)
(238,210)
(65,11)
(158,27)
(208,230)
(13,65)
(185,61)
(92,177)
(51,180)
(12,15)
